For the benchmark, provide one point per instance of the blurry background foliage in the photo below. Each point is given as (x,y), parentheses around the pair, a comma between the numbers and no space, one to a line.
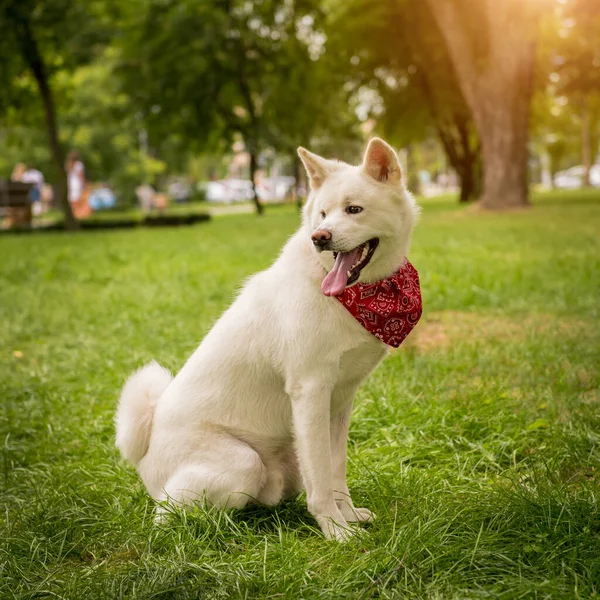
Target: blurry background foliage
(148,90)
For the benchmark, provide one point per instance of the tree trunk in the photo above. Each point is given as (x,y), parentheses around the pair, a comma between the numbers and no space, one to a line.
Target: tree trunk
(497,87)
(61,188)
(467,185)
(470,183)
(465,167)
(586,142)
(296,172)
(463,154)
(412,178)
(456,131)
(505,157)
(36,63)
(253,169)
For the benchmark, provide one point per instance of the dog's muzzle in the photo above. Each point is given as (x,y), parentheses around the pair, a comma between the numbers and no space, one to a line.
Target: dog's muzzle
(321,238)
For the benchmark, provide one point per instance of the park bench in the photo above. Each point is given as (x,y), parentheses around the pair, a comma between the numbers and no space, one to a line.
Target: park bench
(15,203)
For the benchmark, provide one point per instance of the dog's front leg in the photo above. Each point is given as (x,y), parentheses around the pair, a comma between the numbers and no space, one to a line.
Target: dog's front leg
(311,416)
(340,424)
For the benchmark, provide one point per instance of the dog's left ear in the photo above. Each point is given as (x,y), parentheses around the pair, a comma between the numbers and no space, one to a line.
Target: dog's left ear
(381,162)
(317,167)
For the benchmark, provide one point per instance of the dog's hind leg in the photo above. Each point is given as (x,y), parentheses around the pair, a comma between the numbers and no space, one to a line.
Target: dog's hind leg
(229,476)
(271,492)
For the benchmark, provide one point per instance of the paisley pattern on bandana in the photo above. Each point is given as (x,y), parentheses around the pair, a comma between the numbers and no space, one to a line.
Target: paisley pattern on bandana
(390,308)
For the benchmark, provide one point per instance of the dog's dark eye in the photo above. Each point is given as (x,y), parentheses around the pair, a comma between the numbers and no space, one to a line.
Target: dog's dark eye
(323,215)
(353,209)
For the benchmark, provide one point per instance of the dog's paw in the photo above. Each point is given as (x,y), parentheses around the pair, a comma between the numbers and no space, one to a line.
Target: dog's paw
(335,530)
(357,515)
(340,533)
(161,516)
(364,515)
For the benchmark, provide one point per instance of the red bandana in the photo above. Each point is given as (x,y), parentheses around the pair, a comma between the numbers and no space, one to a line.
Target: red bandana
(390,308)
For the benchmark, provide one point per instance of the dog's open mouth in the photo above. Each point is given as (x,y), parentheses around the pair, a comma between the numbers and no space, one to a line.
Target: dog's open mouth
(347,267)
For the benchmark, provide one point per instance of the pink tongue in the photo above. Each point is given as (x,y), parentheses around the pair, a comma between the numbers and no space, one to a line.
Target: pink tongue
(335,281)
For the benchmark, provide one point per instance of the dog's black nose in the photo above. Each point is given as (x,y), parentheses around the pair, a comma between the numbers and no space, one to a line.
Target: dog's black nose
(321,237)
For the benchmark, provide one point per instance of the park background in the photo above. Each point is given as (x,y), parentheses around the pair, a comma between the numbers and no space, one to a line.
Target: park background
(477,443)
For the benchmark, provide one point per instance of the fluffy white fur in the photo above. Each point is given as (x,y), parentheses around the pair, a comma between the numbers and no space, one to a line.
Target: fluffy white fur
(261,409)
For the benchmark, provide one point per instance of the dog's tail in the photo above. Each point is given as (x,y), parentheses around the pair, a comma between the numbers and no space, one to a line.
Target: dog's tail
(136,409)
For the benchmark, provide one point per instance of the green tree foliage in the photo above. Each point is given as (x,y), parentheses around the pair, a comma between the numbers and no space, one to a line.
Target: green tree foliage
(99,119)
(566,105)
(147,87)
(39,39)
(401,56)
(213,70)
(577,62)
(555,129)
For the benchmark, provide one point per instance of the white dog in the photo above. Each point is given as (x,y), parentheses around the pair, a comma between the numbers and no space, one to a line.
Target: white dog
(261,409)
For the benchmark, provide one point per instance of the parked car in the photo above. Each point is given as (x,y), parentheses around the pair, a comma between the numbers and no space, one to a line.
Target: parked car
(275,189)
(180,190)
(226,191)
(101,197)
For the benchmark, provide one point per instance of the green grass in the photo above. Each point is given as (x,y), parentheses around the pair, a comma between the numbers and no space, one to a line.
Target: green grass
(477,443)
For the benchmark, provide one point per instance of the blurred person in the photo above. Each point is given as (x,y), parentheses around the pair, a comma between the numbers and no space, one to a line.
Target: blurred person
(78,191)
(161,201)
(145,195)
(179,191)
(47,196)
(18,172)
(36,179)
(18,216)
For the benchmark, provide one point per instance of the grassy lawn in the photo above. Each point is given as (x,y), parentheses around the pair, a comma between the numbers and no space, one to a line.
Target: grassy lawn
(477,443)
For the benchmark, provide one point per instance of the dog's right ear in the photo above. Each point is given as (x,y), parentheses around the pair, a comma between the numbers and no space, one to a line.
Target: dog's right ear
(317,167)
(381,162)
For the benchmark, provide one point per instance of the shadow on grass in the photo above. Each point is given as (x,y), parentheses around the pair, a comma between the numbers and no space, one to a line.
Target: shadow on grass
(253,520)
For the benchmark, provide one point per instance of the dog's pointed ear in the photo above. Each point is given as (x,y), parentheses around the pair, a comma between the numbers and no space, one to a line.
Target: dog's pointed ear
(381,162)
(317,167)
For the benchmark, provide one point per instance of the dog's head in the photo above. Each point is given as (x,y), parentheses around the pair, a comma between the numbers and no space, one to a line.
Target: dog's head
(359,218)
